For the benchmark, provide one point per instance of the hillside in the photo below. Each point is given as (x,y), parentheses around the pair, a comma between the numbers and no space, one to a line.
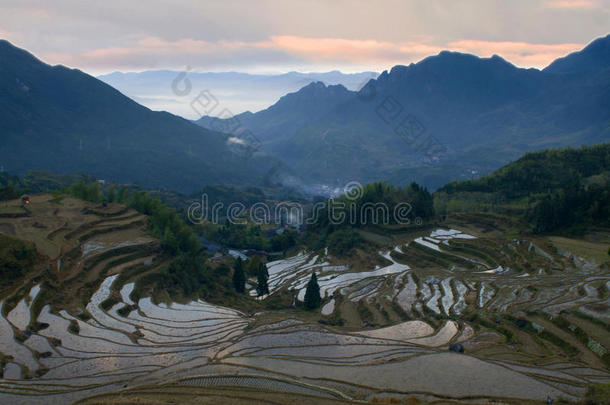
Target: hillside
(558,190)
(60,119)
(78,243)
(541,172)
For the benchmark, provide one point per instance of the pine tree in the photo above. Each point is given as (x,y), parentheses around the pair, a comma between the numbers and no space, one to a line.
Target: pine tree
(312,294)
(239,278)
(263,287)
(263,268)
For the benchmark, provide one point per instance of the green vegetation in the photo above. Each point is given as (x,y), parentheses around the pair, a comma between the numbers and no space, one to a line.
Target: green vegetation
(240,236)
(312,293)
(187,273)
(343,240)
(12,186)
(262,287)
(557,189)
(239,277)
(250,236)
(73,327)
(559,342)
(364,209)
(597,395)
(218,194)
(9,187)
(15,255)
(378,204)
(252,265)
(109,303)
(540,172)
(86,191)
(572,207)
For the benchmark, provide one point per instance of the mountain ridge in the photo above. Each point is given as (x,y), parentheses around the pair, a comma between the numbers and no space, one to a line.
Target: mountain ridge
(482,111)
(61,119)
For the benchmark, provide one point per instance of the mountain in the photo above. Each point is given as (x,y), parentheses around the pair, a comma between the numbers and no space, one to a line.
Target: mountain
(63,120)
(542,172)
(593,57)
(234,91)
(562,190)
(292,111)
(448,117)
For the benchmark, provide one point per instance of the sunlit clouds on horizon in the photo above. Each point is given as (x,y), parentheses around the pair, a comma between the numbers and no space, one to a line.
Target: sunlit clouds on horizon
(271,36)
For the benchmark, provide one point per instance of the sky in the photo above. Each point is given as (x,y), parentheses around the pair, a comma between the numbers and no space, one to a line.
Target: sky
(269,36)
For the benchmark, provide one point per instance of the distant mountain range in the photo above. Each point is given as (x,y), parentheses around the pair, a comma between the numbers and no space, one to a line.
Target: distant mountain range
(235,92)
(447,117)
(63,120)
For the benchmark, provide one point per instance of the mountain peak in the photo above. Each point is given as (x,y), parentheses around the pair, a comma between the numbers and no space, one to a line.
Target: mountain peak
(450,64)
(594,56)
(314,85)
(319,89)
(7,50)
(67,121)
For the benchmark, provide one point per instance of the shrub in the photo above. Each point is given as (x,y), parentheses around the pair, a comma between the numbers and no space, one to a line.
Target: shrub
(343,240)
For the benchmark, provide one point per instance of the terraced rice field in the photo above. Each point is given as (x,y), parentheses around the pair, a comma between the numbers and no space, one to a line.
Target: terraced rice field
(187,342)
(427,293)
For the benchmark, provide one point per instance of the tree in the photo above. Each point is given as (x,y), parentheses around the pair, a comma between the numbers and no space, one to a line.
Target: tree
(253,264)
(343,240)
(263,268)
(239,278)
(111,194)
(93,192)
(123,194)
(262,288)
(312,294)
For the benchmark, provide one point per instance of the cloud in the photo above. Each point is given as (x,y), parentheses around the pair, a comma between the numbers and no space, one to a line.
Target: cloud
(152,52)
(289,52)
(10,36)
(519,53)
(355,51)
(572,4)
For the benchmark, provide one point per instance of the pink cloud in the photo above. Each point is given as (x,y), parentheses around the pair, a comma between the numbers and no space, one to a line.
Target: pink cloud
(152,52)
(522,54)
(572,4)
(356,51)
(9,36)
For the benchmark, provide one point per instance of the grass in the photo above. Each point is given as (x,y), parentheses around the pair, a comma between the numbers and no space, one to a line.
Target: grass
(74,328)
(366,315)
(597,251)
(175,393)
(566,347)
(592,319)
(597,395)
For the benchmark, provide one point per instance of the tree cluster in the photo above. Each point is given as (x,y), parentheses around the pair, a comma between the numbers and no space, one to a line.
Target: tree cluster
(15,255)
